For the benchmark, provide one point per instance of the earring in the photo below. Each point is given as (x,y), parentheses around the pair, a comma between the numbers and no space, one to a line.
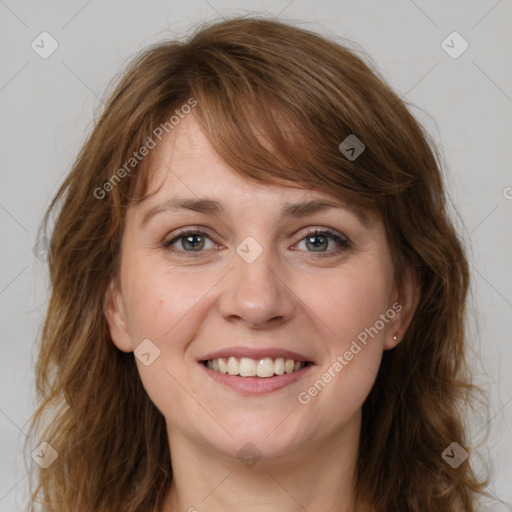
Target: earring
(395,339)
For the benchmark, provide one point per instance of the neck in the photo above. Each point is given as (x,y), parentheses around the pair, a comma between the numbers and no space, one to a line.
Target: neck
(319,478)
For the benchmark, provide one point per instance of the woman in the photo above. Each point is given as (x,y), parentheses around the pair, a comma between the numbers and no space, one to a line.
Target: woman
(257,296)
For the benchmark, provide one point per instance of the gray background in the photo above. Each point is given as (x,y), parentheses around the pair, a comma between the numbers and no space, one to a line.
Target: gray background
(48,106)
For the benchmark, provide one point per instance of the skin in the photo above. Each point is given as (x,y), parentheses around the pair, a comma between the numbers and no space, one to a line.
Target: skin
(286,298)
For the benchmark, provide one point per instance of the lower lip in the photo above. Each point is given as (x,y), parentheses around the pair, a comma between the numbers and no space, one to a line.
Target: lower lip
(257,385)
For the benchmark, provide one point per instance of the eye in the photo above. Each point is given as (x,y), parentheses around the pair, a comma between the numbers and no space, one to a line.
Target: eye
(192,241)
(317,241)
(189,240)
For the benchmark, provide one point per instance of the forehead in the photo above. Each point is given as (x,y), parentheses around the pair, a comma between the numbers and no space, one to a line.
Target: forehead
(186,158)
(185,165)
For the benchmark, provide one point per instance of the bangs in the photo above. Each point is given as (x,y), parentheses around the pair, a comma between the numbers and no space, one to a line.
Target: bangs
(266,142)
(277,115)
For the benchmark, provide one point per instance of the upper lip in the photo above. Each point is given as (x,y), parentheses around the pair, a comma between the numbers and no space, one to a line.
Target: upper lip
(255,353)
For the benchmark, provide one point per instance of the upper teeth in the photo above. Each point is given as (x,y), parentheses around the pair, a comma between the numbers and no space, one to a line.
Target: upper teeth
(246,367)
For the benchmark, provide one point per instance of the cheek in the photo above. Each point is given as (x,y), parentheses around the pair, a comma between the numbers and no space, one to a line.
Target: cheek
(346,312)
(161,309)
(159,300)
(348,303)
(352,311)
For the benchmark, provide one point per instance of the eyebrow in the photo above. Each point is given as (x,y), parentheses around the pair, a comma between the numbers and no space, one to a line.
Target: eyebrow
(209,206)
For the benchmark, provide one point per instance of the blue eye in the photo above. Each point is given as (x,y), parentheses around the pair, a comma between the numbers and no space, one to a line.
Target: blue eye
(190,239)
(318,239)
(191,242)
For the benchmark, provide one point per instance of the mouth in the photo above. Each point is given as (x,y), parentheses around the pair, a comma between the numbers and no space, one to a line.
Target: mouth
(252,371)
(263,368)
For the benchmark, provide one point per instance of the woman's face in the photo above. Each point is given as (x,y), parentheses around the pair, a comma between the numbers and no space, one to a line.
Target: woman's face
(253,290)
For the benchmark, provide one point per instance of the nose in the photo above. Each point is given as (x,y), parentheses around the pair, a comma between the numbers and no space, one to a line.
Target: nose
(257,294)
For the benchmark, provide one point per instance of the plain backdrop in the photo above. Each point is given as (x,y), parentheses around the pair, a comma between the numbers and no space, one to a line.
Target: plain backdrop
(463,99)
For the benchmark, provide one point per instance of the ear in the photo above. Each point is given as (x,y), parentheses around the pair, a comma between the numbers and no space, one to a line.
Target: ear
(114,311)
(404,302)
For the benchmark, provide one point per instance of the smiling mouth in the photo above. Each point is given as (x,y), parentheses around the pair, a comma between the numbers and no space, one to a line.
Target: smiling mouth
(247,367)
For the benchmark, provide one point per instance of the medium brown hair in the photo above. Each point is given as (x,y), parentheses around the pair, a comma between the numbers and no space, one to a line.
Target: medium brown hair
(275,101)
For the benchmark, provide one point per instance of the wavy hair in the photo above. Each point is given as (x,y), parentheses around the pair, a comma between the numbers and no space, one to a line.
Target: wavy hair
(275,101)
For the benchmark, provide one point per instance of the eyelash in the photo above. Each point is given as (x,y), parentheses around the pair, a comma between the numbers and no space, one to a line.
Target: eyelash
(343,241)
